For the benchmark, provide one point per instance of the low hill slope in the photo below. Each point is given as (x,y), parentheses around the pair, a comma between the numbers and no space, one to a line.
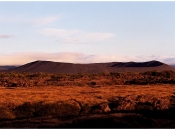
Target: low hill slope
(71,68)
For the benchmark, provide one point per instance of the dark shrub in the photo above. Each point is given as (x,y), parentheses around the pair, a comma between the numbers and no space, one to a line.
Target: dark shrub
(59,109)
(93,83)
(25,110)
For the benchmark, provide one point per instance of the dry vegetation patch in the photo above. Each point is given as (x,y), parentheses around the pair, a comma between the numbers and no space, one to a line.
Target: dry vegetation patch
(99,79)
(63,101)
(33,95)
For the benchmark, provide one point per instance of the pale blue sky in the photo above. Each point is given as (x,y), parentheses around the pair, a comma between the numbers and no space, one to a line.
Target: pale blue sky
(84,32)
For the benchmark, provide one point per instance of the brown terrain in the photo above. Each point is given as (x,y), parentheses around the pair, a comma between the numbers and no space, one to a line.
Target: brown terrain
(70,68)
(45,94)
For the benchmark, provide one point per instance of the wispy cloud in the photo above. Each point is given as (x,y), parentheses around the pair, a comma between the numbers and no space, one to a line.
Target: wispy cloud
(75,57)
(75,36)
(5,36)
(44,20)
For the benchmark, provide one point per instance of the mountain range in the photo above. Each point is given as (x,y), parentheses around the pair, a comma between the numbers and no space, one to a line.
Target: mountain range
(73,68)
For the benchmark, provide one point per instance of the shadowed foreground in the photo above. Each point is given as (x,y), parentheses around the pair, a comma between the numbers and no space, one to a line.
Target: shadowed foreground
(117,120)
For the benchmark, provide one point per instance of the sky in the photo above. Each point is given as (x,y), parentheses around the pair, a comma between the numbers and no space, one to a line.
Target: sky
(86,31)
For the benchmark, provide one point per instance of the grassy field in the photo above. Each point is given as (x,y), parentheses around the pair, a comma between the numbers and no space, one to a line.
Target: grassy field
(126,97)
(18,96)
(85,95)
(100,79)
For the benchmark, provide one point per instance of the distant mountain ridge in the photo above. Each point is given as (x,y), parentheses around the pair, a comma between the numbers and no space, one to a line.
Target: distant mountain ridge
(72,68)
(173,66)
(6,67)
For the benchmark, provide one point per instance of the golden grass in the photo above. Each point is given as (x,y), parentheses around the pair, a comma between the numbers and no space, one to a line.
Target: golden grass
(90,95)
(101,79)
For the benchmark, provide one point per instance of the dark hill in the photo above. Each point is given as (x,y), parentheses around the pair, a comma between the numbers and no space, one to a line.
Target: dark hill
(68,68)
